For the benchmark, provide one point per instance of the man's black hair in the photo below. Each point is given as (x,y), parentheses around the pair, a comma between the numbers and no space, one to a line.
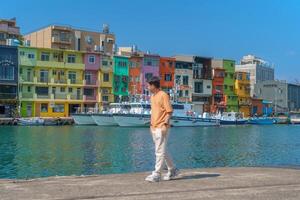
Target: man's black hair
(154,81)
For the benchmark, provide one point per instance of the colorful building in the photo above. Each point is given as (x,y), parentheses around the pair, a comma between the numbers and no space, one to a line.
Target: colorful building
(231,98)
(106,81)
(71,38)
(167,73)
(91,81)
(9,30)
(51,82)
(242,90)
(8,81)
(135,74)
(150,68)
(121,78)
(218,98)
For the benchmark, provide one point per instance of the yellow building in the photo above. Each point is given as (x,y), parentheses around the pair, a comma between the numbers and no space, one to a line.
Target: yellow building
(106,81)
(51,82)
(242,90)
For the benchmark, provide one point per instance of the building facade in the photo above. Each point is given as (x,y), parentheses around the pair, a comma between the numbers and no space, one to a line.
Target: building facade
(67,37)
(259,70)
(242,90)
(8,81)
(9,30)
(135,76)
(51,82)
(150,68)
(121,78)
(231,98)
(218,99)
(167,73)
(284,96)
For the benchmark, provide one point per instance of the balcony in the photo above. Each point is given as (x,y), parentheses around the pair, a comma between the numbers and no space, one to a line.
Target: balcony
(75,97)
(75,81)
(9,29)
(56,39)
(27,62)
(89,98)
(51,64)
(24,79)
(26,95)
(43,96)
(75,65)
(43,80)
(91,83)
(59,96)
(8,96)
(59,81)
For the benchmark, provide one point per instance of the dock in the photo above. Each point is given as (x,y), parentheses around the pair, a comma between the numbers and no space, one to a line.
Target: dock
(211,183)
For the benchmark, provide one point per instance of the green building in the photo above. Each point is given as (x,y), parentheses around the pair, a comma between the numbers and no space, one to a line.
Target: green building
(231,98)
(121,78)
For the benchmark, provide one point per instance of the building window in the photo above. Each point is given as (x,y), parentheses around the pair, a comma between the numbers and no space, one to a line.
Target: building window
(6,72)
(185,80)
(92,59)
(71,58)
(30,56)
(29,89)
(62,89)
(70,90)
(44,76)
(186,93)
(137,79)
(22,53)
(168,77)
(198,87)
(105,77)
(45,56)
(148,76)
(178,77)
(58,108)
(105,98)
(88,92)
(88,77)
(44,107)
(104,63)
(72,77)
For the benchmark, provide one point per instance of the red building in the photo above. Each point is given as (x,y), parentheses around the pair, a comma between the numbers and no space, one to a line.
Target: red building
(135,73)
(218,98)
(167,71)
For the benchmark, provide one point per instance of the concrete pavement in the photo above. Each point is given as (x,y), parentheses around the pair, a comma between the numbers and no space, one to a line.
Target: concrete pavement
(213,183)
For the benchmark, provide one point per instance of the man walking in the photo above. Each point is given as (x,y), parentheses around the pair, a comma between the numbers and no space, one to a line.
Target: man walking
(161,112)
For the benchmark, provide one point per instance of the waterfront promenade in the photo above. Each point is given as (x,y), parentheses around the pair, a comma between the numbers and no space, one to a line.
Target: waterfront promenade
(212,183)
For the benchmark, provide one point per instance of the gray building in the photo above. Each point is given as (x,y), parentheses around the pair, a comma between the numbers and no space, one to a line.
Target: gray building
(284,96)
(259,70)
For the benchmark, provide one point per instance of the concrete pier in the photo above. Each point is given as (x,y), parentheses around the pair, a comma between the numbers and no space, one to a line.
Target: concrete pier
(213,183)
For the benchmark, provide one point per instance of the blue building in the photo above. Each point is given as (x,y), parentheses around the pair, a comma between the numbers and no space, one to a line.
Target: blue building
(8,80)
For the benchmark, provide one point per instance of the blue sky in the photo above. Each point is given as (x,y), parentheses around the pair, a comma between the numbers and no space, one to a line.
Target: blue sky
(217,28)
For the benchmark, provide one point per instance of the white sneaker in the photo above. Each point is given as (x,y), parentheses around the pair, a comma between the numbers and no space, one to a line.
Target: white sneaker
(153,178)
(171,174)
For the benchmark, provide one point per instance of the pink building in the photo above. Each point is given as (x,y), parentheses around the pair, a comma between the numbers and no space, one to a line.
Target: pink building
(150,68)
(91,80)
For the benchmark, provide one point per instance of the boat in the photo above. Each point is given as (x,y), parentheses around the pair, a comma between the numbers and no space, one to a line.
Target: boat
(231,118)
(262,120)
(35,121)
(295,118)
(105,118)
(140,116)
(83,118)
(282,118)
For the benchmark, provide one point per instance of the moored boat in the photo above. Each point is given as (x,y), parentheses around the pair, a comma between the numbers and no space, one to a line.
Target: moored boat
(35,121)
(295,118)
(262,121)
(232,118)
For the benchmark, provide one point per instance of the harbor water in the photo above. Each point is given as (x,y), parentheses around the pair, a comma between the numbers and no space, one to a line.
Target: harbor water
(31,152)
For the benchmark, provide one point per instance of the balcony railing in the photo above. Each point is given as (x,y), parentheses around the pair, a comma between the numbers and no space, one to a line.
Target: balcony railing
(91,98)
(43,96)
(75,97)
(43,79)
(56,39)
(75,81)
(60,96)
(60,81)
(8,95)
(26,79)
(26,95)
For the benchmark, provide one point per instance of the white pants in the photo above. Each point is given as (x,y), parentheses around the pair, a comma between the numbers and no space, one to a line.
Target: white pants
(160,138)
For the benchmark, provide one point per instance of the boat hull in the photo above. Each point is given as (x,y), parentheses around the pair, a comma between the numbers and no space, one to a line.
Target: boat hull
(132,120)
(262,121)
(104,120)
(233,122)
(193,122)
(83,119)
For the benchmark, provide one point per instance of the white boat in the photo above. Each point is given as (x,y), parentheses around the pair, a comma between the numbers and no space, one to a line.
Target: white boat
(84,118)
(106,118)
(295,118)
(232,118)
(35,121)
(140,114)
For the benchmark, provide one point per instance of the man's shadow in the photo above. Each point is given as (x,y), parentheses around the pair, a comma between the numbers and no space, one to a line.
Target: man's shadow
(196,176)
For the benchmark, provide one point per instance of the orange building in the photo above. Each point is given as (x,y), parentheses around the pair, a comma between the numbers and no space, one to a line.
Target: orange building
(167,71)
(135,73)
(218,97)
(257,107)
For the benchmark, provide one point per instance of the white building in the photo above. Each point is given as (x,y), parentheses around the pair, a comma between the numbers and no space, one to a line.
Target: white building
(259,70)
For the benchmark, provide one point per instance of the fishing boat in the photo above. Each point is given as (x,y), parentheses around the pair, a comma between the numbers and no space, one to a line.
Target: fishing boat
(140,114)
(295,118)
(84,118)
(282,118)
(231,118)
(262,120)
(105,118)
(35,121)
